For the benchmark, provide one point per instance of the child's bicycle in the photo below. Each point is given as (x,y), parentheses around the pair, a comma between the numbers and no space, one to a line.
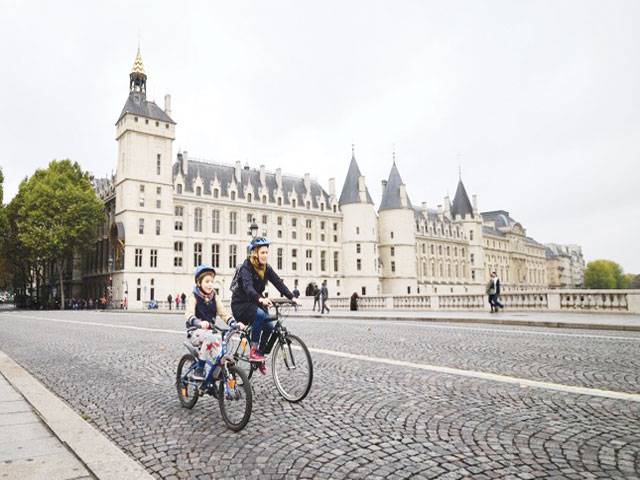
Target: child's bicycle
(224,380)
(291,365)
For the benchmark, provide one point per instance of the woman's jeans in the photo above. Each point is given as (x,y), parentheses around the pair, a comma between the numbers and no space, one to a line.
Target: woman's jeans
(261,323)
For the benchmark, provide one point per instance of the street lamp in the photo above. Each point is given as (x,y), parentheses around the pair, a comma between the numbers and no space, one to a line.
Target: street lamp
(253,229)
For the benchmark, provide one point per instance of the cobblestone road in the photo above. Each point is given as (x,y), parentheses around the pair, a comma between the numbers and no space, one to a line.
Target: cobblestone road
(362,419)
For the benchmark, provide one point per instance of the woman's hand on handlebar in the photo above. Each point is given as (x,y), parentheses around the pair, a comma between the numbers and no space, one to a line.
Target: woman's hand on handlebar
(205,325)
(265,302)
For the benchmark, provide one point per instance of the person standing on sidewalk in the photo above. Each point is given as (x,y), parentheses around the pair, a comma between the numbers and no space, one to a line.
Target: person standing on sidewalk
(324,296)
(493,290)
(183,300)
(169,300)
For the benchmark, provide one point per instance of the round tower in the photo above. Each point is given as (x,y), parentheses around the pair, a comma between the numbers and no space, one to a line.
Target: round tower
(359,235)
(397,238)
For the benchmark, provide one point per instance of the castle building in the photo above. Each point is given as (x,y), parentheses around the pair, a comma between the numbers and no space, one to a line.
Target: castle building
(164,217)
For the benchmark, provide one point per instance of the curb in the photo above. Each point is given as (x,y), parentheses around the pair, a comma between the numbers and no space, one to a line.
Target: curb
(101,456)
(493,321)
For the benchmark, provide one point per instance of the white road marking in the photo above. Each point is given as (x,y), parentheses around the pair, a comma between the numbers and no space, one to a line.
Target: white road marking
(522,382)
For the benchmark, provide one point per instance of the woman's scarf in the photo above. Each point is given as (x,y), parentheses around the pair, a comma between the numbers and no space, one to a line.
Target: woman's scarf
(197,291)
(261,270)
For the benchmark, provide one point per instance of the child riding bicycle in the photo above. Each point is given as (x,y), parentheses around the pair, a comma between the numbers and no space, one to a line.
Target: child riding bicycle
(202,308)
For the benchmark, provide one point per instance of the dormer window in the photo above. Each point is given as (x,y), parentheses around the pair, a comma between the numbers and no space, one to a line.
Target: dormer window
(293,203)
(249,197)
(308,205)
(216,193)
(264,199)
(233,195)
(179,188)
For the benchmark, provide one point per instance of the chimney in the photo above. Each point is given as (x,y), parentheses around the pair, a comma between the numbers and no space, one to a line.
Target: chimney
(279,177)
(424,206)
(384,185)
(167,104)
(475,204)
(307,182)
(238,171)
(263,176)
(403,195)
(447,205)
(332,187)
(185,163)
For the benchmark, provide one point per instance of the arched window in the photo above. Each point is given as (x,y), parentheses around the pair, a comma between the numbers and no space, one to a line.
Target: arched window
(249,197)
(179,188)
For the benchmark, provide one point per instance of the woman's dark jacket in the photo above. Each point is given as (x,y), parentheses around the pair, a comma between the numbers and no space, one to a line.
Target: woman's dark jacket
(250,287)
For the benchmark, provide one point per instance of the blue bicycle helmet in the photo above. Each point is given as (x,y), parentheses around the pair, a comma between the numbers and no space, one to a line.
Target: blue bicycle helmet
(202,269)
(258,242)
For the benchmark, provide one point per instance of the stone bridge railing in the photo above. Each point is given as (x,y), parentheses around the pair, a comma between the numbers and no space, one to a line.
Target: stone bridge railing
(605,301)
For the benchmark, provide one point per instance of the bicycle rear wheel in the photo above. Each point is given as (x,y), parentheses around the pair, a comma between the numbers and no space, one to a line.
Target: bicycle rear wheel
(186,386)
(235,399)
(292,368)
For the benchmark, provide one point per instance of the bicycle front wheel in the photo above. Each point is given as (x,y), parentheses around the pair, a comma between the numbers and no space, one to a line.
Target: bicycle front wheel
(186,386)
(235,399)
(292,368)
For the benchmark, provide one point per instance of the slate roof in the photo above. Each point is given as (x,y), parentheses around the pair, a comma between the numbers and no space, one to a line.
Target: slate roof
(432,215)
(250,182)
(492,231)
(501,218)
(350,192)
(391,195)
(137,104)
(461,204)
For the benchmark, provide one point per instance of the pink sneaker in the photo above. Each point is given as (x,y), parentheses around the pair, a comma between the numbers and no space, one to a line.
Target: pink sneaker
(255,356)
(262,368)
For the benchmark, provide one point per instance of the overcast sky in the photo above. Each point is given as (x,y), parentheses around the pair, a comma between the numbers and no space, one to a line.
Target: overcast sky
(536,100)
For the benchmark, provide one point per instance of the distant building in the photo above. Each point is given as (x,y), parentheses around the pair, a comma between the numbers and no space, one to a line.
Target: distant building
(565,266)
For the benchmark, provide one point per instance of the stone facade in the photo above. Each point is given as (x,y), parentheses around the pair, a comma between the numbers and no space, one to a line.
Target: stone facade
(164,217)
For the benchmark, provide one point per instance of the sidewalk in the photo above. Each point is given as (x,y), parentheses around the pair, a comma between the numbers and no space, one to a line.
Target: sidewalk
(28,449)
(594,321)
(42,438)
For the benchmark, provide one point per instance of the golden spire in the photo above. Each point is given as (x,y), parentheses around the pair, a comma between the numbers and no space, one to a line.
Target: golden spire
(138,67)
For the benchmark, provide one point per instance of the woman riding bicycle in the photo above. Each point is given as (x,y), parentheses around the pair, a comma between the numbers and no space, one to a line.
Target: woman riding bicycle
(247,301)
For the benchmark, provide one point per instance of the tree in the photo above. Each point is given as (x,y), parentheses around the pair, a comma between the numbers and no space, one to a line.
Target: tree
(633,281)
(603,274)
(5,273)
(57,215)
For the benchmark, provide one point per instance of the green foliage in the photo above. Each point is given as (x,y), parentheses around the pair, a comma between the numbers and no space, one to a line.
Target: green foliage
(603,274)
(633,281)
(59,212)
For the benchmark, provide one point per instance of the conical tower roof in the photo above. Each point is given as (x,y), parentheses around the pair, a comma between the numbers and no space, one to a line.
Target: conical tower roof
(391,196)
(461,204)
(350,192)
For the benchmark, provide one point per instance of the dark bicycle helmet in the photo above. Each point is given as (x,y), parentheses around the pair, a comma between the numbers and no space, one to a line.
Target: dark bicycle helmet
(259,242)
(201,270)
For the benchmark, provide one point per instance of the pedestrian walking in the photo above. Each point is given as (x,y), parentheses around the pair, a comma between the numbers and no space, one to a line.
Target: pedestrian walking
(493,291)
(170,300)
(324,296)
(177,302)
(316,297)
(183,300)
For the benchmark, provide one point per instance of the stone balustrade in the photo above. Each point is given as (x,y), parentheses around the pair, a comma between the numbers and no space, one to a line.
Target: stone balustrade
(606,301)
